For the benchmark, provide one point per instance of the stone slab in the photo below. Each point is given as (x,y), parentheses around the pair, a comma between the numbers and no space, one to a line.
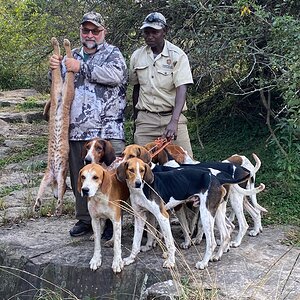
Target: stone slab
(261,268)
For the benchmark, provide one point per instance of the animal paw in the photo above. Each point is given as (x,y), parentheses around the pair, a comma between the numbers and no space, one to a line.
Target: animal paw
(117,265)
(201,265)
(185,245)
(109,243)
(254,232)
(196,241)
(95,263)
(235,244)
(128,260)
(215,258)
(145,248)
(169,263)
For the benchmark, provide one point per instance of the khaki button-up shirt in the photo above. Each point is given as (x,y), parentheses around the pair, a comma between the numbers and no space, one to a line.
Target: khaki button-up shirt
(159,77)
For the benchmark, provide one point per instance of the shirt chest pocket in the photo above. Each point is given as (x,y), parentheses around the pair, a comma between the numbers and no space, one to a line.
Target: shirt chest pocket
(142,73)
(164,79)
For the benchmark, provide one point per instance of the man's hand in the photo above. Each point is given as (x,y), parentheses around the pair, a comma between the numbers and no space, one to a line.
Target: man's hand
(55,61)
(171,130)
(72,65)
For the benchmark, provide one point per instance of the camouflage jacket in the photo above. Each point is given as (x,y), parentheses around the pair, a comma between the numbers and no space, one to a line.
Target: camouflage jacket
(100,95)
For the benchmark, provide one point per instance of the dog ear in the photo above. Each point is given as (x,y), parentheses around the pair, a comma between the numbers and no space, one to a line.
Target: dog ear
(120,173)
(145,155)
(109,152)
(79,182)
(148,177)
(162,157)
(106,183)
(84,150)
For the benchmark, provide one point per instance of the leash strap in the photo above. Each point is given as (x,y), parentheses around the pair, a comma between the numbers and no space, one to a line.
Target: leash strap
(160,144)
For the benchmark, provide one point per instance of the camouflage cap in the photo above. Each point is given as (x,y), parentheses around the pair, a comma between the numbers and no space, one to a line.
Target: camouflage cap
(155,20)
(94,18)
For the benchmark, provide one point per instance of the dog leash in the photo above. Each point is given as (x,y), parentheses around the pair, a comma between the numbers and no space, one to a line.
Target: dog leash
(160,144)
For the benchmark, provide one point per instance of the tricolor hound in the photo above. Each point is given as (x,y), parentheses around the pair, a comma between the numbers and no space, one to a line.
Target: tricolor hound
(105,194)
(175,156)
(62,94)
(135,172)
(175,185)
(99,151)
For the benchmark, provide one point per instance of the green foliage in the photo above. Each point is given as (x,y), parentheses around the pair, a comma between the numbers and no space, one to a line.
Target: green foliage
(288,133)
(240,51)
(28,104)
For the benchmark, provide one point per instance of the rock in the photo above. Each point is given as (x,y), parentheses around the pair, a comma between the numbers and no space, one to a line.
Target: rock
(20,93)
(18,117)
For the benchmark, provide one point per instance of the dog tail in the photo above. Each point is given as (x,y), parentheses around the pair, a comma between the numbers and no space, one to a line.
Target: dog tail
(257,165)
(249,192)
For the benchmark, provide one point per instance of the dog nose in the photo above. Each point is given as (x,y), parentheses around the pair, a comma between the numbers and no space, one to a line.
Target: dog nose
(85,191)
(137,184)
(87,161)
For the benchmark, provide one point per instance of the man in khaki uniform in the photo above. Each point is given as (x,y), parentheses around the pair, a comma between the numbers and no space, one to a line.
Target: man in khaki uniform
(159,72)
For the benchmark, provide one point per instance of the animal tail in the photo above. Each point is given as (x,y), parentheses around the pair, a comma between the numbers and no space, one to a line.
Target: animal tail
(249,192)
(257,165)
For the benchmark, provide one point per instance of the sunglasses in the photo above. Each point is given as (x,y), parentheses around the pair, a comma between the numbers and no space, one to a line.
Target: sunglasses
(153,19)
(93,31)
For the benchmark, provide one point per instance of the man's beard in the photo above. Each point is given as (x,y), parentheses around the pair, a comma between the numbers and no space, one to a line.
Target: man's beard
(89,44)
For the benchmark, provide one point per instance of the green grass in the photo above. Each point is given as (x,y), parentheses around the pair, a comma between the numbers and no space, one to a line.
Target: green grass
(32,102)
(39,146)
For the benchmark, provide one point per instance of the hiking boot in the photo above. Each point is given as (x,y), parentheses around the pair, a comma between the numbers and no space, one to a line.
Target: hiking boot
(80,228)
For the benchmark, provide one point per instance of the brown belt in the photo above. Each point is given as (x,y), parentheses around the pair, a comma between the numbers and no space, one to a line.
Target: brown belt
(160,113)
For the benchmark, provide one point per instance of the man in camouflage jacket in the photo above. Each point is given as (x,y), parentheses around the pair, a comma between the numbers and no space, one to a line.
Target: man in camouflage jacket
(99,102)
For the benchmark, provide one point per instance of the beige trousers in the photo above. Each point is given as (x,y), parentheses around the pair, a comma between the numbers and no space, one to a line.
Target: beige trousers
(149,126)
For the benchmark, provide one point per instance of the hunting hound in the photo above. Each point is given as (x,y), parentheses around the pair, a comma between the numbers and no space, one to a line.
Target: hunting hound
(105,195)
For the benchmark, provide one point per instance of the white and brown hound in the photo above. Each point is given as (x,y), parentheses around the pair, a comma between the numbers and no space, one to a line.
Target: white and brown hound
(238,200)
(105,195)
(62,94)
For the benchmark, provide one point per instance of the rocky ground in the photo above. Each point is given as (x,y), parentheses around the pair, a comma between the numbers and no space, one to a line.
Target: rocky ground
(37,253)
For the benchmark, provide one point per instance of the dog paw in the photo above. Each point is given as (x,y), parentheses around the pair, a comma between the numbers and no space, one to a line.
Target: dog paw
(185,245)
(196,241)
(92,237)
(117,265)
(235,244)
(215,258)
(145,248)
(253,232)
(169,263)
(95,263)
(109,243)
(128,260)
(201,265)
